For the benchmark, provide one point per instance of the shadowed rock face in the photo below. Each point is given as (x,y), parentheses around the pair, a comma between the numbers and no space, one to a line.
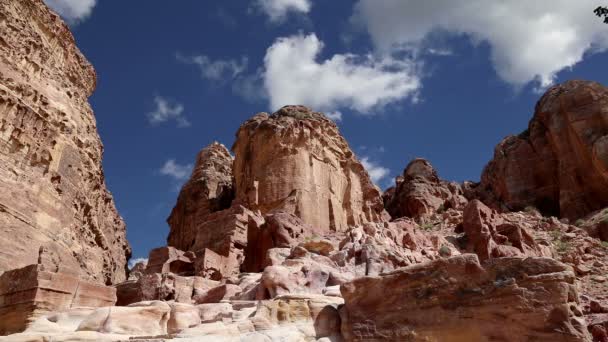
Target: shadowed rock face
(296,161)
(560,164)
(53,189)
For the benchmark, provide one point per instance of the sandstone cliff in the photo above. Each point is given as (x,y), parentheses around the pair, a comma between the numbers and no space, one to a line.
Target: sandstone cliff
(419,193)
(295,160)
(560,164)
(53,189)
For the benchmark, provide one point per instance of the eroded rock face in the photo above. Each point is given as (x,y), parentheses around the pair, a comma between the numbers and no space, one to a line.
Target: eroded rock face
(458,299)
(295,160)
(209,190)
(420,192)
(30,292)
(53,189)
(560,164)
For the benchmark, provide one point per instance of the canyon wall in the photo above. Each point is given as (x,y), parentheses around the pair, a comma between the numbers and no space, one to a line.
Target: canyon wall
(53,190)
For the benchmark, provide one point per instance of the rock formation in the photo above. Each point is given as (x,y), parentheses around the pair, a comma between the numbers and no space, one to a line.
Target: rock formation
(295,160)
(419,193)
(209,190)
(53,189)
(289,240)
(457,299)
(560,164)
(489,235)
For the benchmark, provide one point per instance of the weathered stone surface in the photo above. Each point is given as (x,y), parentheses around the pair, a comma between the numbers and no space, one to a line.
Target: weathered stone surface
(296,160)
(30,292)
(560,164)
(209,190)
(303,312)
(490,236)
(183,316)
(165,286)
(457,299)
(53,189)
(420,192)
(222,242)
(170,260)
(145,318)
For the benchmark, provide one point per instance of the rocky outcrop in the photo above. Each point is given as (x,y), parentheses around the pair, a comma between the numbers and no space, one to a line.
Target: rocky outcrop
(209,190)
(419,193)
(560,164)
(489,235)
(458,299)
(53,189)
(296,161)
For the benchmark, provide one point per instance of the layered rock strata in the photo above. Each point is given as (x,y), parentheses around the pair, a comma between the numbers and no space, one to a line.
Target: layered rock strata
(53,189)
(457,299)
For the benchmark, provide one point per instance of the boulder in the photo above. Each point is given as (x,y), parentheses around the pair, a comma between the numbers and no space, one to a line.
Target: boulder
(459,299)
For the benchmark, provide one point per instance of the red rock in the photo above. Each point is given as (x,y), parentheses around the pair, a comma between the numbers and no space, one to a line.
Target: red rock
(489,236)
(221,242)
(170,260)
(208,190)
(458,299)
(419,193)
(30,292)
(560,164)
(53,187)
(296,161)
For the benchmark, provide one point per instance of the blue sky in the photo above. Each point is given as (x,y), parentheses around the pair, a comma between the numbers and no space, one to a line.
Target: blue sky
(408,78)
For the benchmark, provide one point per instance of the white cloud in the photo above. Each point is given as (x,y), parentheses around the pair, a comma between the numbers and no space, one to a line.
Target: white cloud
(136,261)
(376,171)
(277,10)
(176,171)
(72,11)
(166,111)
(216,70)
(335,115)
(293,76)
(529,40)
